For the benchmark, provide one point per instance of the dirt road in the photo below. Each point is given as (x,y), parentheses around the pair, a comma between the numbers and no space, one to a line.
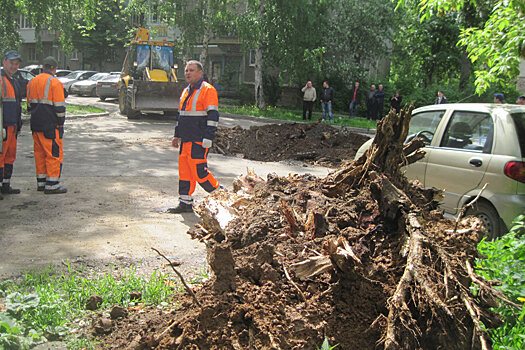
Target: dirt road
(121,175)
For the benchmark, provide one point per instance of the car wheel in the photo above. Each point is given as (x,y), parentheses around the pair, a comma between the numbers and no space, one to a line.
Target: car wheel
(488,215)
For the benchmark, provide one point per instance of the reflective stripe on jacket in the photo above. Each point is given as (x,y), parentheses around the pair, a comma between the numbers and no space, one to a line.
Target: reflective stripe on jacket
(198,113)
(45,100)
(11,102)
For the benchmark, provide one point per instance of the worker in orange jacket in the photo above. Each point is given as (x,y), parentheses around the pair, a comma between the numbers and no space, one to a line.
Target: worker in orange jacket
(12,119)
(194,130)
(45,101)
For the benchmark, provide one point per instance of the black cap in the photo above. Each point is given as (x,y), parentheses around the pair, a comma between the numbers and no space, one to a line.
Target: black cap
(50,61)
(522,96)
(12,55)
(499,96)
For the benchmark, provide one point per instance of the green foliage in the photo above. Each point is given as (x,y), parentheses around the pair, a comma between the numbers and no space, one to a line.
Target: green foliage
(503,261)
(495,45)
(44,305)
(326,345)
(272,89)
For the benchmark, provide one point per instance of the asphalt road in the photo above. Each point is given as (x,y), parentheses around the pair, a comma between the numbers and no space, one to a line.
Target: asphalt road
(121,176)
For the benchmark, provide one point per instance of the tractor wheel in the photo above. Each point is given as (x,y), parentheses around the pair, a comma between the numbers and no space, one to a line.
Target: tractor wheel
(132,114)
(122,101)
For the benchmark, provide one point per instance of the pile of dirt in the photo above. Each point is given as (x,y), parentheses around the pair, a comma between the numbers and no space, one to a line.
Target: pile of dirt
(313,143)
(362,258)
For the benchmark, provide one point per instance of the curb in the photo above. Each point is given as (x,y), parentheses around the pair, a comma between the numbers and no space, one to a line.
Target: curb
(74,116)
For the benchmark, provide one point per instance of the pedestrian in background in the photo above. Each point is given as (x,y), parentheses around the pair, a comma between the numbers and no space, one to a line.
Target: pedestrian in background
(309,97)
(327,95)
(46,102)
(498,98)
(12,119)
(521,100)
(371,103)
(380,100)
(194,131)
(355,98)
(395,101)
(441,98)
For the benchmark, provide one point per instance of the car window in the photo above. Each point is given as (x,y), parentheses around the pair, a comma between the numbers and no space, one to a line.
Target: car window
(424,125)
(519,122)
(73,75)
(97,76)
(469,130)
(26,75)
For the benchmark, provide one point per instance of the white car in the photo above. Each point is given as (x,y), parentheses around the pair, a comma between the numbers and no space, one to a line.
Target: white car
(75,76)
(87,87)
(467,146)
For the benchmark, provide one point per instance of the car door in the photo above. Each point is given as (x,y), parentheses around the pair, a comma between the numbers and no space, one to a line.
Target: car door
(424,125)
(458,164)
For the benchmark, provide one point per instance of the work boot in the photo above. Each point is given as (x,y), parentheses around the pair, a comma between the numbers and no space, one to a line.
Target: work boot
(181,208)
(57,190)
(9,190)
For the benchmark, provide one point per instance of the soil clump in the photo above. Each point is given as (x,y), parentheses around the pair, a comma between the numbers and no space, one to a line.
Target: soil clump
(313,143)
(362,258)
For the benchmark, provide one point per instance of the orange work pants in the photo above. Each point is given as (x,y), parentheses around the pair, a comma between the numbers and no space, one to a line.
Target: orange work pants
(8,156)
(49,156)
(193,168)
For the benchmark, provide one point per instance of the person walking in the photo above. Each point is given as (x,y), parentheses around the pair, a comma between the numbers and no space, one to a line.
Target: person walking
(441,98)
(308,99)
(355,99)
(194,132)
(47,105)
(371,103)
(395,101)
(12,119)
(380,100)
(327,95)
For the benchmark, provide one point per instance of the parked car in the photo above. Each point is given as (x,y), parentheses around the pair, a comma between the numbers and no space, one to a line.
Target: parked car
(468,146)
(36,69)
(75,76)
(107,87)
(23,76)
(87,87)
(62,72)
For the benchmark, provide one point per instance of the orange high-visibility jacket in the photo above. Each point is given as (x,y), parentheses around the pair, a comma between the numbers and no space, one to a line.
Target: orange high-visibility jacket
(198,113)
(45,101)
(11,102)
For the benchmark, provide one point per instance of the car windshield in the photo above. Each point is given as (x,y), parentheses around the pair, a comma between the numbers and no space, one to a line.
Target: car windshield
(111,78)
(73,75)
(519,121)
(424,125)
(98,76)
(162,58)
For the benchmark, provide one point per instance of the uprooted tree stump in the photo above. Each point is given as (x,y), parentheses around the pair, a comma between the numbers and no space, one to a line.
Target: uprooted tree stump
(361,257)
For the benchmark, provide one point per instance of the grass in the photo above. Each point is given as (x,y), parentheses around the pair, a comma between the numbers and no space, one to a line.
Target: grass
(296,115)
(45,305)
(76,109)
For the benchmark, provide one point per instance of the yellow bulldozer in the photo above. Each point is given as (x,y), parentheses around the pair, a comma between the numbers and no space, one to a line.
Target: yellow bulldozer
(148,81)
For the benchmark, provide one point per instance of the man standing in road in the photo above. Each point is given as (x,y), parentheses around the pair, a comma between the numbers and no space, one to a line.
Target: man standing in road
(194,131)
(308,99)
(355,99)
(327,95)
(12,119)
(371,103)
(45,101)
(380,100)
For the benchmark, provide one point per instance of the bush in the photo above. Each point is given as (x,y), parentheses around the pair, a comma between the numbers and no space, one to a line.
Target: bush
(504,261)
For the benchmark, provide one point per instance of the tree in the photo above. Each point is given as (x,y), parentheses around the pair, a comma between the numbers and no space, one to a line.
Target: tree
(496,46)
(9,37)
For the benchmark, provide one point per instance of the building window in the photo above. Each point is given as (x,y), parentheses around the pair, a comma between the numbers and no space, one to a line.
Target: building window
(252,58)
(73,55)
(24,22)
(57,54)
(31,54)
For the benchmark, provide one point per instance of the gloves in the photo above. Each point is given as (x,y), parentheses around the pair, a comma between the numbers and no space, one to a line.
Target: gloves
(206,143)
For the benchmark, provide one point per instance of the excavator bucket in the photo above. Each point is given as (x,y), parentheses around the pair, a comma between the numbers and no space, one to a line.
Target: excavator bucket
(157,95)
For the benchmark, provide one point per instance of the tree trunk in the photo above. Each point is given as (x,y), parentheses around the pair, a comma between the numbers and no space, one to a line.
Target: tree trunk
(259,91)
(466,68)
(206,40)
